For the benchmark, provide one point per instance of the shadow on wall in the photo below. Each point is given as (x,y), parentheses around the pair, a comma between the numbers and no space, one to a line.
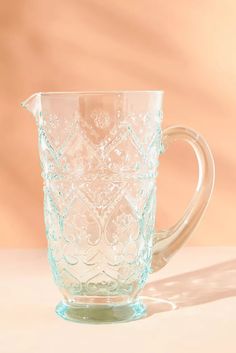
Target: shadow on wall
(192,288)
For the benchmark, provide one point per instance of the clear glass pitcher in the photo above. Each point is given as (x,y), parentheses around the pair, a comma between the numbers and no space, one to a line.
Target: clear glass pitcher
(99,154)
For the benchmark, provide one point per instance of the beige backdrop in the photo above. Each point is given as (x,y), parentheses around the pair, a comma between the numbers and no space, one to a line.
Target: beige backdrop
(185,47)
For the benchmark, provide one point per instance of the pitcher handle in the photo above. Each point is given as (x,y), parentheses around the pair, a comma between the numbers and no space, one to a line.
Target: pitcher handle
(167,242)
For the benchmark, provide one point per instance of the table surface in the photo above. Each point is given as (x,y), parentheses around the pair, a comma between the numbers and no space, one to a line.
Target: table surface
(191,308)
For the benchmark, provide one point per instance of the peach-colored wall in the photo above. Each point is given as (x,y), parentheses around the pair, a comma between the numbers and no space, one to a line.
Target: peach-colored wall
(185,47)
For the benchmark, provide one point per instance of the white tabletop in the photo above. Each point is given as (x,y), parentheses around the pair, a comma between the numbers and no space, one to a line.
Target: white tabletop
(196,313)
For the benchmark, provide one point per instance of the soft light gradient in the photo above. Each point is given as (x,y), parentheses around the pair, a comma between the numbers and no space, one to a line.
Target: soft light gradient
(186,48)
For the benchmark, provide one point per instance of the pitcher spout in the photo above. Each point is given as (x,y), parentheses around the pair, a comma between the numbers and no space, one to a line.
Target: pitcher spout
(32,104)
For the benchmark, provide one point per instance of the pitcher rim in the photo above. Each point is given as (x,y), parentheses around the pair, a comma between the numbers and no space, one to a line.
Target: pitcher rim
(101,92)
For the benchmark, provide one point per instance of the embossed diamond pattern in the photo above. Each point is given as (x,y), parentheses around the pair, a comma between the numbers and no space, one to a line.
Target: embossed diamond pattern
(99,175)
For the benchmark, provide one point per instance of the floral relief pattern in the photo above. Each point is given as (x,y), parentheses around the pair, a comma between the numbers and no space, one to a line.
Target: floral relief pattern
(99,195)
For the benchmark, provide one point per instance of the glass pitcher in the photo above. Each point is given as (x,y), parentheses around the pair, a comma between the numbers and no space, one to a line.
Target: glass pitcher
(99,155)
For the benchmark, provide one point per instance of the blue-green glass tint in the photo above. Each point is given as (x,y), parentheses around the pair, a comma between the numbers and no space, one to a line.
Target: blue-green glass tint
(99,157)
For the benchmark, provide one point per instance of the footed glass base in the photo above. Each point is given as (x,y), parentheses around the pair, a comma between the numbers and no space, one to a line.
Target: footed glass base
(101,314)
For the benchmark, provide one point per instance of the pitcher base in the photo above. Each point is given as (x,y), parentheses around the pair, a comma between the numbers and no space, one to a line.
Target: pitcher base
(101,314)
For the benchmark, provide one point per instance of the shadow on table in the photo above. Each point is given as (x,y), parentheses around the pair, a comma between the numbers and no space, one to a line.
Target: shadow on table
(191,288)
